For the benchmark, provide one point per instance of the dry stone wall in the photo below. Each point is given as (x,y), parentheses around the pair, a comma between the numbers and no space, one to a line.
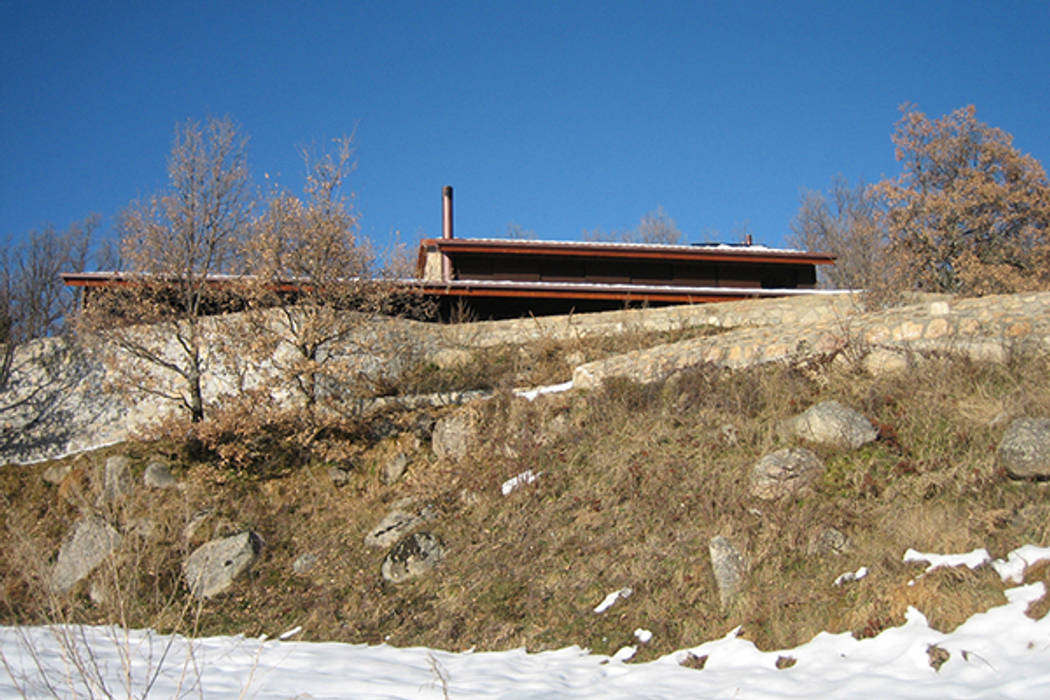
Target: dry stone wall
(80,415)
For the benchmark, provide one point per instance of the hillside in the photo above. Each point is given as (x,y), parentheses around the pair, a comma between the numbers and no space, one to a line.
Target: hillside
(642,475)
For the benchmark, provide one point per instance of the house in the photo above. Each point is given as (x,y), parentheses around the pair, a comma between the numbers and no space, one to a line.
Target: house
(503,278)
(507,278)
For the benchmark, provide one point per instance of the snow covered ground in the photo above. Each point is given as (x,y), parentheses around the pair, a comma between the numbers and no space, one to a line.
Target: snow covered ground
(1000,653)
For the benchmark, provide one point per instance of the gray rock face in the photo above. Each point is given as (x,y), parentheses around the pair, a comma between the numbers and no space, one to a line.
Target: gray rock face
(454,435)
(729,567)
(93,540)
(158,476)
(831,423)
(395,525)
(116,480)
(1024,451)
(413,556)
(785,472)
(213,566)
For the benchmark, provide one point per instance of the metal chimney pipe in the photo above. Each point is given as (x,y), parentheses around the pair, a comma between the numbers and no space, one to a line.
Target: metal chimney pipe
(446,219)
(446,231)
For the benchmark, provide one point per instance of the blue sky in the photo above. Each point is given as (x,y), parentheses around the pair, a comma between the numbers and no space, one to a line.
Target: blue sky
(559,117)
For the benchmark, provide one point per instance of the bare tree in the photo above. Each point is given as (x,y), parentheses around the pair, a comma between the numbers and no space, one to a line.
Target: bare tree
(34,303)
(654,227)
(171,244)
(843,222)
(315,288)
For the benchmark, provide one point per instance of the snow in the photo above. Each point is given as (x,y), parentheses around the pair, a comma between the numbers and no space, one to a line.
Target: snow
(973,560)
(851,576)
(611,599)
(513,483)
(531,394)
(1000,653)
(1012,568)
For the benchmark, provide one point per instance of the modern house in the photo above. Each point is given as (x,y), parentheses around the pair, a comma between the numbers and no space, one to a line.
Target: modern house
(504,278)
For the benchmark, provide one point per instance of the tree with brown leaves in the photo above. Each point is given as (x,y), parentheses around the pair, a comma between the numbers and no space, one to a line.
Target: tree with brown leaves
(969,213)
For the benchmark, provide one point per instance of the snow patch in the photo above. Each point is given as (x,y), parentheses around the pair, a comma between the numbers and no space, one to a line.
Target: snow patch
(973,560)
(531,394)
(1011,569)
(851,576)
(526,477)
(611,599)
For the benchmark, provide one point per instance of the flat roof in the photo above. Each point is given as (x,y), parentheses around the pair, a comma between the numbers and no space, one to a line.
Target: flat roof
(612,249)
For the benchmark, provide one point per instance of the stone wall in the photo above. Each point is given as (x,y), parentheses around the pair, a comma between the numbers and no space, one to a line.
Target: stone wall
(75,413)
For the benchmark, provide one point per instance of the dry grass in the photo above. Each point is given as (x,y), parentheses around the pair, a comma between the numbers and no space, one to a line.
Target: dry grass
(635,481)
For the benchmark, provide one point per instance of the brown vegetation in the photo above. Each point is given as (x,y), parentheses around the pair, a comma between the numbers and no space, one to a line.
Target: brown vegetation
(635,480)
(969,214)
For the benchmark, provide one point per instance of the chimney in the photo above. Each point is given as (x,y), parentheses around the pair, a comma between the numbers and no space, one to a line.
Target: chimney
(446,211)
(747,239)
(446,231)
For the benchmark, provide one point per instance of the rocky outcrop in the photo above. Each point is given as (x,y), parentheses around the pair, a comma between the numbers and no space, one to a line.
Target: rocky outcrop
(92,541)
(785,472)
(413,556)
(213,566)
(1024,451)
(830,423)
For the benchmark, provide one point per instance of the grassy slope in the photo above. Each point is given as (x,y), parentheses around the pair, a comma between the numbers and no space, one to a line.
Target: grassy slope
(636,480)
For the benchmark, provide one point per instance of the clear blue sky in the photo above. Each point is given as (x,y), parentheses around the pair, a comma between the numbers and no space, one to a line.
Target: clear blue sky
(557,116)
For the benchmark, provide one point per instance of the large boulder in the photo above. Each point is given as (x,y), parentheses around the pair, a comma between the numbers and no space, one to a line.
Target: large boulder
(413,556)
(213,566)
(729,567)
(831,423)
(93,540)
(785,472)
(1024,451)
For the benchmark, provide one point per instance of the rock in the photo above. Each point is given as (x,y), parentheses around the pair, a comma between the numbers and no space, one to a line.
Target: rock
(395,525)
(395,467)
(93,540)
(56,473)
(213,566)
(1024,451)
(338,476)
(454,435)
(831,423)
(413,556)
(116,480)
(881,362)
(784,472)
(304,562)
(158,475)
(729,567)
(828,541)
